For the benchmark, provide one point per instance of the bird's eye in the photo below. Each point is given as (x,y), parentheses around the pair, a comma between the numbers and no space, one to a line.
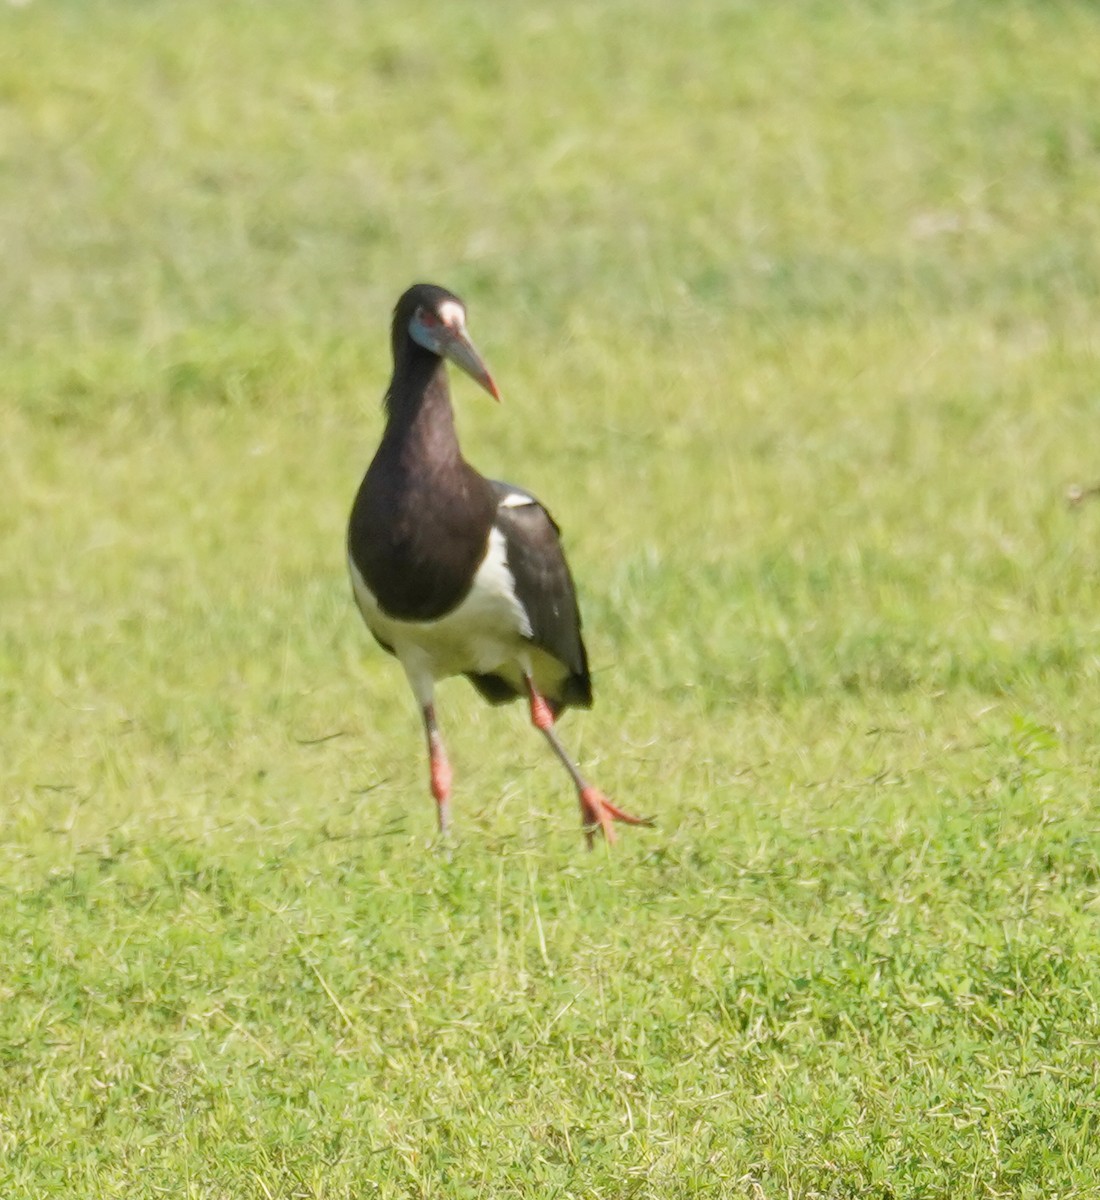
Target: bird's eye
(426,317)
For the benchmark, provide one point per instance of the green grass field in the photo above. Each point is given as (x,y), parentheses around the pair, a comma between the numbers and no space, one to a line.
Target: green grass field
(796,314)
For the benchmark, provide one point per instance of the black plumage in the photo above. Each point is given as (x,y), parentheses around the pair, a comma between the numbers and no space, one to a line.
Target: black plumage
(544,584)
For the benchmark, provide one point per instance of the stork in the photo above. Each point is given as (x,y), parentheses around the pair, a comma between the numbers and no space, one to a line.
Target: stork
(456,574)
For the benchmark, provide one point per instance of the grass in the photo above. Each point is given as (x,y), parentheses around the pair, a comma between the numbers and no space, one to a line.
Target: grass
(800,302)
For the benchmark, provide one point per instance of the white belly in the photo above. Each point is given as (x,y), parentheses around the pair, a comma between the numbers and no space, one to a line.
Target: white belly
(486,632)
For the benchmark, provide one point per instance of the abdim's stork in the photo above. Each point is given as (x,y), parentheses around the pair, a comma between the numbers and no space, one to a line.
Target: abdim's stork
(456,574)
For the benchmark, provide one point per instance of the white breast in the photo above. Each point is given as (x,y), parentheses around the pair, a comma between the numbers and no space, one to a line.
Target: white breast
(484,633)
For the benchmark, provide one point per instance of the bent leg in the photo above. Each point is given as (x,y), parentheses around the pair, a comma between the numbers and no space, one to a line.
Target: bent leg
(597,812)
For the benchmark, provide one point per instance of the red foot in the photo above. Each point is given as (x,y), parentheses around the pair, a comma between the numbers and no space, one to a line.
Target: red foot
(599,812)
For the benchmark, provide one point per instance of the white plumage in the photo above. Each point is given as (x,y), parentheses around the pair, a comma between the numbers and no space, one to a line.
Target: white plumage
(486,632)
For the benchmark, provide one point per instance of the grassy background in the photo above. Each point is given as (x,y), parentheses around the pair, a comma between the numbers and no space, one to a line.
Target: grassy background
(794,310)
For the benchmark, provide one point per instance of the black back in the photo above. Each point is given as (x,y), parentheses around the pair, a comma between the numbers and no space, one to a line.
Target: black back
(544,586)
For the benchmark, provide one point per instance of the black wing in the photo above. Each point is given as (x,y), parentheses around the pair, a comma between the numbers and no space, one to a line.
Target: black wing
(544,586)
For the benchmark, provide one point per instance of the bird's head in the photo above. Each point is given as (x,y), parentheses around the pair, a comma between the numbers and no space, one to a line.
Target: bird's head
(435,319)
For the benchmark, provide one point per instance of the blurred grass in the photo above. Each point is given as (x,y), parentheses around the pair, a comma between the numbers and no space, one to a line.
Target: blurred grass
(794,312)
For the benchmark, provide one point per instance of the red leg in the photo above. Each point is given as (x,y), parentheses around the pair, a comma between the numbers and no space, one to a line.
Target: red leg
(440,769)
(542,715)
(597,812)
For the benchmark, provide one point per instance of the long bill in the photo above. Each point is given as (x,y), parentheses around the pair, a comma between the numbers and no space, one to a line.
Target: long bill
(458,348)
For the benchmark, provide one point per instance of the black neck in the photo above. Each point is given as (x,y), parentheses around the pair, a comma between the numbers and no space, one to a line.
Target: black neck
(418,401)
(421,520)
